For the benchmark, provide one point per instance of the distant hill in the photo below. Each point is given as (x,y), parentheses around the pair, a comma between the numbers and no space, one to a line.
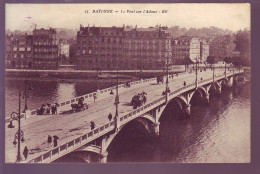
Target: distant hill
(204,33)
(62,33)
(65,33)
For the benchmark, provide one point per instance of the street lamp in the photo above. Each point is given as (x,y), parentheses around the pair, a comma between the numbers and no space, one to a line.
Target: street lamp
(196,72)
(116,101)
(167,73)
(141,62)
(26,94)
(19,135)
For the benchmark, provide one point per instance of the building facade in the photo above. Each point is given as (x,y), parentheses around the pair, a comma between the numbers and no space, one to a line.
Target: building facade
(19,52)
(45,49)
(122,48)
(195,49)
(180,49)
(185,47)
(204,50)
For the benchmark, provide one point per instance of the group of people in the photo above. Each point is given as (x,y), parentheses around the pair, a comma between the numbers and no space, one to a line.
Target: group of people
(47,109)
(53,139)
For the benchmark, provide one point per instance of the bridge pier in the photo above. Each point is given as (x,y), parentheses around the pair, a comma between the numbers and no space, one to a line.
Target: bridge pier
(104,157)
(219,90)
(207,98)
(187,109)
(157,128)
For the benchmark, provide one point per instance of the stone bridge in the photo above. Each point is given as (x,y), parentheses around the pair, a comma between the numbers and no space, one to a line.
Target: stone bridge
(99,139)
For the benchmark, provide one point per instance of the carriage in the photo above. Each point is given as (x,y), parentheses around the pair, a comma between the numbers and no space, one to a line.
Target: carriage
(138,100)
(127,85)
(80,106)
(159,79)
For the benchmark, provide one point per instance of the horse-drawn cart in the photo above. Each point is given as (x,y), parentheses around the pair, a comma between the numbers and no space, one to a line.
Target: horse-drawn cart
(80,106)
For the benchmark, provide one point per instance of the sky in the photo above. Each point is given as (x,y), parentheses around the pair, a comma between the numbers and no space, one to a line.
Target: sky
(226,16)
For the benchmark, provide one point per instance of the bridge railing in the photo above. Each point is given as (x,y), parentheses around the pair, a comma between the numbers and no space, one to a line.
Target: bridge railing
(75,143)
(93,134)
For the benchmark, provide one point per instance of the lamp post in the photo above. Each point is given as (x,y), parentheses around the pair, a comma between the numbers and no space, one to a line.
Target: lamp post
(213,66)
(196,72)
(19,135)
(141,62)
(26,94)
(167,74)
(116,101)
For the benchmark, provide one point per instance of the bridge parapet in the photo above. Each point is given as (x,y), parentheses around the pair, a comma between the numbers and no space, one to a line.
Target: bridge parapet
(73,144)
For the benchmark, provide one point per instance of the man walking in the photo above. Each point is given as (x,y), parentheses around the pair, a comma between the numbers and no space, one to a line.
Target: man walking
(25,152)
(110,116)
(49,140)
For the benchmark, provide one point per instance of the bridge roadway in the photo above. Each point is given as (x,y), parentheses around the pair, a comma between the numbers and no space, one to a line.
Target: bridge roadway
(70,126)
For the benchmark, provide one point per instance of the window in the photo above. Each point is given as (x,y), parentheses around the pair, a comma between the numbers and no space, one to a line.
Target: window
(22,49)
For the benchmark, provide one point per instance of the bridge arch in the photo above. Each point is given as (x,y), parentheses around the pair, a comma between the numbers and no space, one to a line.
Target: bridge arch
(79,156)
(178,104)
(128,135)
(198,96)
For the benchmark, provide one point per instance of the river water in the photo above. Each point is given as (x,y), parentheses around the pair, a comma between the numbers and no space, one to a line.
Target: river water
(219,132)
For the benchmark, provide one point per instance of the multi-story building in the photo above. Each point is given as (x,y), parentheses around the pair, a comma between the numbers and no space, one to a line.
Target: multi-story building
(45,49)
(123,48)
(204,50)
(221,47)
(147,48)
(98,47)
(195,49)
(19,52)
(185,47)
(64,50)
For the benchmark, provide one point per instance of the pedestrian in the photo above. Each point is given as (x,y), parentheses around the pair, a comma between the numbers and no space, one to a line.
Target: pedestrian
(25,152)
(92,125)
(48,108)
(184,84)
(52,109)
(201,78)
(49,140)
(111,92)
(55,140)
(110,116)
(95,96)
(55,108)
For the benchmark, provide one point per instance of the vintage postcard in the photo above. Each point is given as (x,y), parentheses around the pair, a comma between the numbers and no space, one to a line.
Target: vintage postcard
(121,83)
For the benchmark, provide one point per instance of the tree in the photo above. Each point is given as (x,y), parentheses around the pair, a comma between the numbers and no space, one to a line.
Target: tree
(211,59)
(242,41)
(228,60)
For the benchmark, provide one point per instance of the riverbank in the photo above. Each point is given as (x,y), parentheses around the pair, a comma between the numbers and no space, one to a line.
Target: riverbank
(79,74)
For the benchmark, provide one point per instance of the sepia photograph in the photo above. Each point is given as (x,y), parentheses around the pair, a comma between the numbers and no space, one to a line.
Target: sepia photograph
(128,83)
